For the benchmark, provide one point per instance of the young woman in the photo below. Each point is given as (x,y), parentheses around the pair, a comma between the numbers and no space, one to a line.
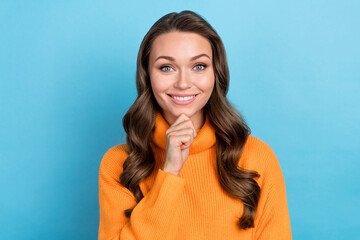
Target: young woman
(190,168)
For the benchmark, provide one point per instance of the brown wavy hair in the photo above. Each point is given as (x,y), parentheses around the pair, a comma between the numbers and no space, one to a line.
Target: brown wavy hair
(230,128)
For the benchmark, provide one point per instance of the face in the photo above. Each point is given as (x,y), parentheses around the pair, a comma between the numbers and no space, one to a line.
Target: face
(181,75)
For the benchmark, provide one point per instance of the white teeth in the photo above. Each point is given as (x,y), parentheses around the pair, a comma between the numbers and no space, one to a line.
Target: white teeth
(183,98)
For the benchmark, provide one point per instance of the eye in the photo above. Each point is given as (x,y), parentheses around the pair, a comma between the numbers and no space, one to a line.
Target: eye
(200,67)
(166,68)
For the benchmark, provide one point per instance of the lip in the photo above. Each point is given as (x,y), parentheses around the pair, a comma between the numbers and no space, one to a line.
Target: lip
(183,95)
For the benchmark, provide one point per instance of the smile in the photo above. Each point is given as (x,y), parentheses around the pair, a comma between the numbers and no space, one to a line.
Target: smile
(183,100)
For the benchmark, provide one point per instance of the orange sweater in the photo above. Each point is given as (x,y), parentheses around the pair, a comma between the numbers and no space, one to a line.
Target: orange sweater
(192,205)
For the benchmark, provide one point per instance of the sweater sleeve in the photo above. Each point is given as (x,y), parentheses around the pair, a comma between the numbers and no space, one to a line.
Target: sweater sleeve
(272,220)
(155,214)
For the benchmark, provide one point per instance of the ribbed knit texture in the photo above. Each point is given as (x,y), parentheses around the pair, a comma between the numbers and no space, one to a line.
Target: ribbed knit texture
(192,205)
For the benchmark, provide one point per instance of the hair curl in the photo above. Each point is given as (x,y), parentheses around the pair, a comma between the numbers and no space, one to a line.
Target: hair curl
(230,127)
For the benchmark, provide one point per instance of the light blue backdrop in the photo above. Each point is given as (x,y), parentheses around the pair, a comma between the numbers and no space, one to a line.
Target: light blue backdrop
(67,73)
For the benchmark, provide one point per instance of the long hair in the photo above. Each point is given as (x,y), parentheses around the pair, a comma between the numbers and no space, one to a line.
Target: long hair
(230,128)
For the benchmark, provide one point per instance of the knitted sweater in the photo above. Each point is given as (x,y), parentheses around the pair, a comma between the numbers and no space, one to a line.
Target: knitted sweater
(191,205)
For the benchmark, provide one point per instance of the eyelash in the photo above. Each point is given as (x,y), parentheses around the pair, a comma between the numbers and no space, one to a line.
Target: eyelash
(198,64)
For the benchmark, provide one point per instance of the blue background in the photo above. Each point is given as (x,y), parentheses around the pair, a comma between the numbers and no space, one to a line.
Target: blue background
(67,76)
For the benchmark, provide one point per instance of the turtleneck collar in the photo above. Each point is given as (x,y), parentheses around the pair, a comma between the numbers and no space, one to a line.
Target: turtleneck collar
(204,140)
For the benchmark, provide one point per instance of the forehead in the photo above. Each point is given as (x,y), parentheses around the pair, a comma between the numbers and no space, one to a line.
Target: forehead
(180,45)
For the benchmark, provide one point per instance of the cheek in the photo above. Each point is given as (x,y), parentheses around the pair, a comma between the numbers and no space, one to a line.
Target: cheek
(206,83)
(159,84)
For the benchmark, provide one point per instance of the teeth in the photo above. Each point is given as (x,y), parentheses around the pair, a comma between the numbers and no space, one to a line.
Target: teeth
(183,98)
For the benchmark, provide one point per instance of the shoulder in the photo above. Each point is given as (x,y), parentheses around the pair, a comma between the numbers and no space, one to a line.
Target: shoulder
(260,157)
(257,148)
(113,160)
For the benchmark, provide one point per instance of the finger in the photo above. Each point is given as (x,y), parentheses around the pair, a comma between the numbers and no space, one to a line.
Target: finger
(180,119)
(187,140)
(184,131)
(177,141)
(183,125)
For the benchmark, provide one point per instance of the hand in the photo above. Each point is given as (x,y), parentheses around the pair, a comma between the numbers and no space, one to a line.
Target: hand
(179,137)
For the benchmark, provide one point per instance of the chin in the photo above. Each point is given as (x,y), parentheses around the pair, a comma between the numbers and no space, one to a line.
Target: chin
(187,112)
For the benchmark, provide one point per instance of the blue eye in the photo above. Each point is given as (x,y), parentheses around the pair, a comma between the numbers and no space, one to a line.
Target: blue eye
(199,67)
(166,68)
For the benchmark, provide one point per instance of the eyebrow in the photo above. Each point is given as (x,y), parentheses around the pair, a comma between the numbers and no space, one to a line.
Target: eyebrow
(173,60)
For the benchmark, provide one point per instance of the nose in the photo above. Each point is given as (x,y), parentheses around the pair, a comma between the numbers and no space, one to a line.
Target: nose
(183,80)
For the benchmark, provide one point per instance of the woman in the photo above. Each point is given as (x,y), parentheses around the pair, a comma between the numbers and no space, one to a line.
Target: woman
(189,168)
